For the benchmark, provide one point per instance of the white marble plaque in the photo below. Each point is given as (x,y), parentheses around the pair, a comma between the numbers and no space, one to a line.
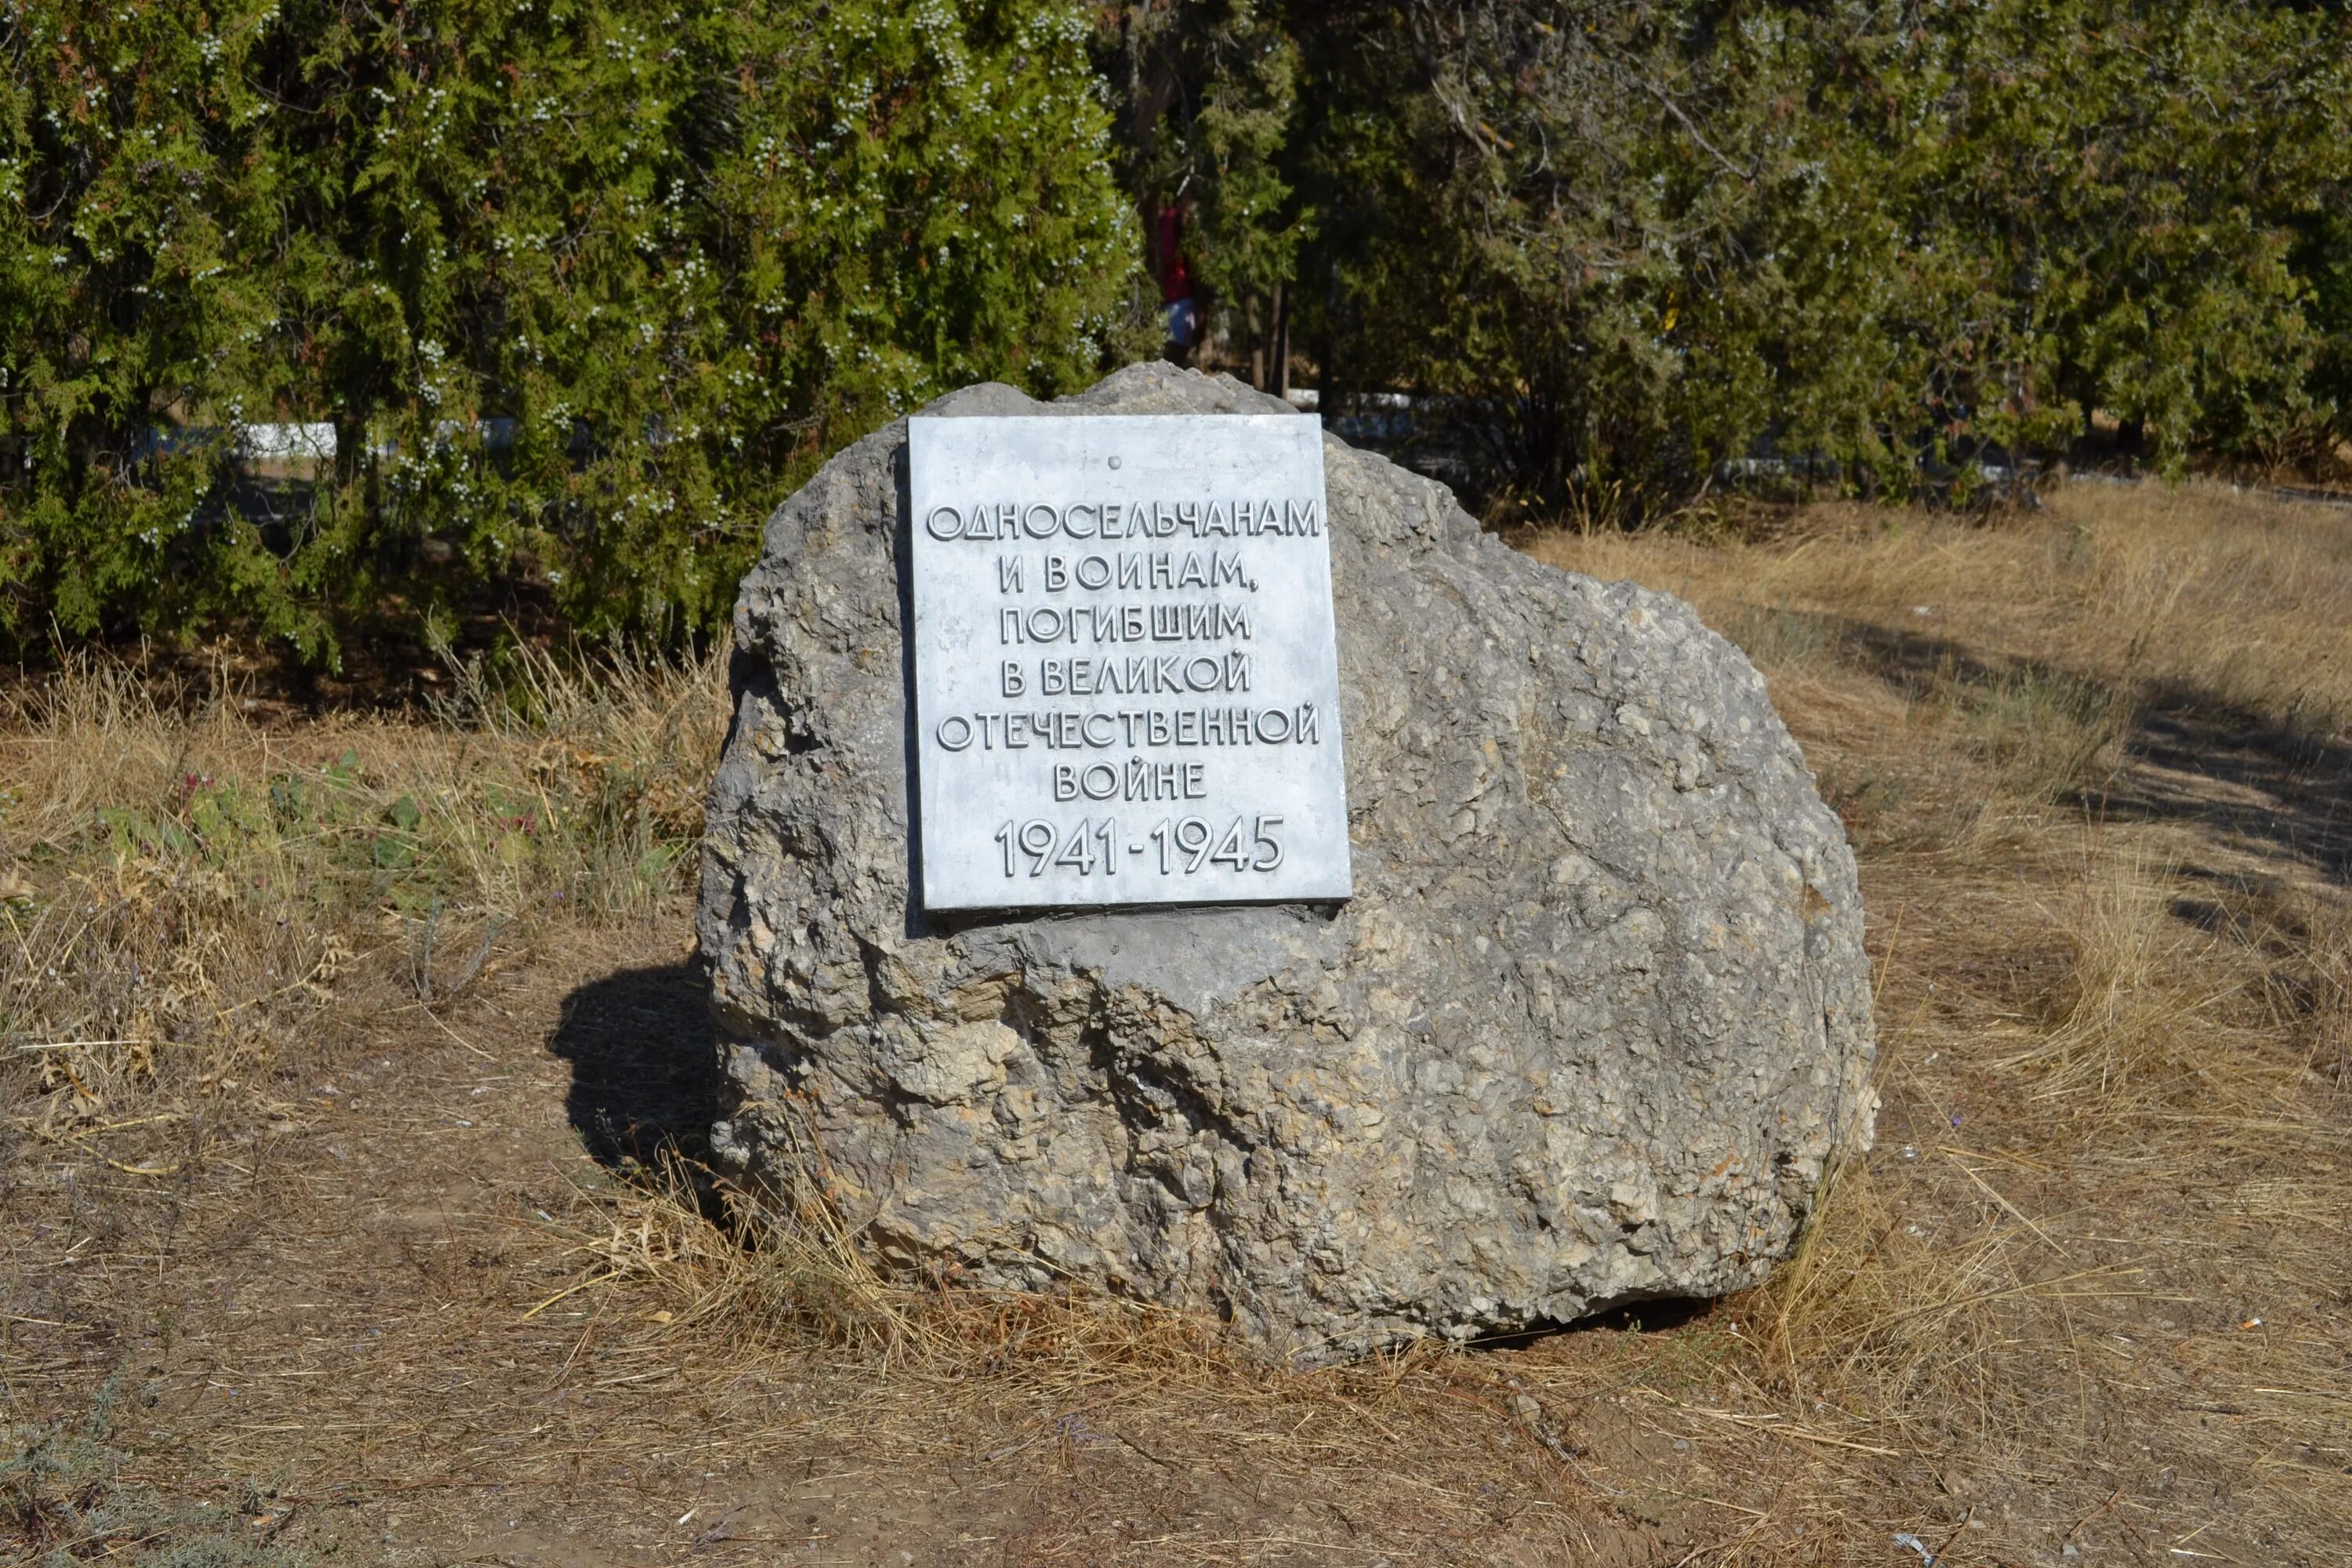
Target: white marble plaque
(1127,690)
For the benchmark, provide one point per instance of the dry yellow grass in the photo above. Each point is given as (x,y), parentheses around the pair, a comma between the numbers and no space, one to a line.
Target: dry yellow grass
(2235,596)
(2085,1295)
(186,885)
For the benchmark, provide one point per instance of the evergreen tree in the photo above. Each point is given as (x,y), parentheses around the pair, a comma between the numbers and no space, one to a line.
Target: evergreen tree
(582,287)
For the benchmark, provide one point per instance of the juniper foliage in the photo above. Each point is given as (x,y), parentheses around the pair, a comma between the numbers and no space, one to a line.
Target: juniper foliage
(1631,240)
(580,286)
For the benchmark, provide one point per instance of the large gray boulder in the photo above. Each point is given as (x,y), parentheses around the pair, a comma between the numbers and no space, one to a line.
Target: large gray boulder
(1589,1033)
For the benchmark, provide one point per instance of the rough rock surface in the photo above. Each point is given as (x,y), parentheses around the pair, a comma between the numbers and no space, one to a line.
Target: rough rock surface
(1588,1033)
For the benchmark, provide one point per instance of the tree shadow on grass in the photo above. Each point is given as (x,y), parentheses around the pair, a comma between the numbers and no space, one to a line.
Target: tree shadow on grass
(2190,756)
(645,1063)
(2281,790)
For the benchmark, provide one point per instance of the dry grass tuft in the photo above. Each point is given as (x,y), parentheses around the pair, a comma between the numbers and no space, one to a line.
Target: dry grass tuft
(2325,998)
(2134,1016)
(625,741)
(782,1276)
(748,1272)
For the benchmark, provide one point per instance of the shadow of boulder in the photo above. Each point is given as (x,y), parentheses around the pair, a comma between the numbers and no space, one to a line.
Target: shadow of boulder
(645,1063)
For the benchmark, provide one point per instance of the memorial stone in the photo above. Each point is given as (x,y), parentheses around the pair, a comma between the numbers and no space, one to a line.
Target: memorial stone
(1544,994)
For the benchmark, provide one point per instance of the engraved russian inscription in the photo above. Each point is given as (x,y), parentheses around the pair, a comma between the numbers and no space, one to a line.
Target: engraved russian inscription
(1126,678)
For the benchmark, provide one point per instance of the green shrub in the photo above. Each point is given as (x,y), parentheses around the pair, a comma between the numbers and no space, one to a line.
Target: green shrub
(1630,239)
(583,287)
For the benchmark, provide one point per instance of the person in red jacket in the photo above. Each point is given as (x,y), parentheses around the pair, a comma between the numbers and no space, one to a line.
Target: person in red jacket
(1182,315)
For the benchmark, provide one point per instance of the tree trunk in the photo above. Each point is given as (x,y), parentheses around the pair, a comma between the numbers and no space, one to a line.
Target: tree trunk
(1279,382)
(1257,337)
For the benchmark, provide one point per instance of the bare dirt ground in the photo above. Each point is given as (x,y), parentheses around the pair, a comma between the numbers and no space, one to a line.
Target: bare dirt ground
(355,1330)
(353,1061)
